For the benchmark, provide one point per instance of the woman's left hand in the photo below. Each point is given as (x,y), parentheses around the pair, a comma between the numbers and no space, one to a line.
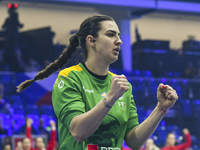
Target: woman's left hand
(166,96)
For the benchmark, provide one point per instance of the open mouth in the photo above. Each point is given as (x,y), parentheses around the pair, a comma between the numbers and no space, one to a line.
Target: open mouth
(117,49)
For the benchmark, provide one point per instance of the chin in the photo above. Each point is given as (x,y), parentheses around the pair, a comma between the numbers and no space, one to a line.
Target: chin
(114,59)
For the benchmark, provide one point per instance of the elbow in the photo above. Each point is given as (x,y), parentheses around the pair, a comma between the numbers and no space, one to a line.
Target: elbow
(77,132)
(77,136)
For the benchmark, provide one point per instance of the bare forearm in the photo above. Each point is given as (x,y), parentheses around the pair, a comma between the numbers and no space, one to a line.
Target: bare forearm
(137,137)
(86,124)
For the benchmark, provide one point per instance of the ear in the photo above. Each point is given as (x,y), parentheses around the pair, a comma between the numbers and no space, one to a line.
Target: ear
(90,40)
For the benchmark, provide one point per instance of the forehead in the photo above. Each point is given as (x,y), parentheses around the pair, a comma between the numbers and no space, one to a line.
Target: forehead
(109,25)
(26,140)
(39,139)
(171,135)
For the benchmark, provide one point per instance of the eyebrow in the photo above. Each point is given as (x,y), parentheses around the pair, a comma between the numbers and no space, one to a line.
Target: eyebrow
(113,32)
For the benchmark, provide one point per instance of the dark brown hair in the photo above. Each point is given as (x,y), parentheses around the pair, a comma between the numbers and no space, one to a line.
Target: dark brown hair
(90,26)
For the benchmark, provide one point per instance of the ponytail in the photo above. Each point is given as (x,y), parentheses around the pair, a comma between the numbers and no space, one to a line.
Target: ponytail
(54,66)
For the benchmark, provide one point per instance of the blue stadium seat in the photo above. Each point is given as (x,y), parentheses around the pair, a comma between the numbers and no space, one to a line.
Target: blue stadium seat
(18,109)
(16,99)
(174,128)
(141,113)
(47,109)
(161,133)
(152,89)
(136,73)
(46,118)
(196,106)
(195,143)
(6,121)
(19,120)
(177,74)
(5,78)
(186,107)
(146,73)
(32,109)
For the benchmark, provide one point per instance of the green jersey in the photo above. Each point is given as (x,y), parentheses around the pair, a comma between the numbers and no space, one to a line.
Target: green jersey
(75,92)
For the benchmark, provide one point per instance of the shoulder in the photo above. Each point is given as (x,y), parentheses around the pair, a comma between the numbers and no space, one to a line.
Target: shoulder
(65,72)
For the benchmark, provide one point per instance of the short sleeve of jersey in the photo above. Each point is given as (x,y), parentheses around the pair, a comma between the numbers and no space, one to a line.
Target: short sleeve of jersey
(133,116)
(67,99)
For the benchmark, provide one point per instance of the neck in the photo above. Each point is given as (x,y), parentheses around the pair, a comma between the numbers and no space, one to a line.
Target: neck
(169,145)
(96,67)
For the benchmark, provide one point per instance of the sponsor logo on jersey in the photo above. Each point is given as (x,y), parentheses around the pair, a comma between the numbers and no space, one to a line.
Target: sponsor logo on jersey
(92,147)
(61,84)
(121,104)
(89,91)
(121,98)
(103,94)
(95,147)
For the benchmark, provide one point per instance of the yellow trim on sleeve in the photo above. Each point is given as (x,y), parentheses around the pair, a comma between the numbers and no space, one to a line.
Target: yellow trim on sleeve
(111,73)
(66,71)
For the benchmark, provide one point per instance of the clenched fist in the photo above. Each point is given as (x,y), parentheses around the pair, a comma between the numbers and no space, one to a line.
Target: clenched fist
(119,86)
(166,96)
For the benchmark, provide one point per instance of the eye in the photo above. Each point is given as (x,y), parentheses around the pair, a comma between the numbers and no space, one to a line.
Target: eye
(110,34)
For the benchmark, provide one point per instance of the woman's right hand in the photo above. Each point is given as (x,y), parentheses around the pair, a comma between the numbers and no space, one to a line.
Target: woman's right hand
(29,122)
(185,131)
(119,86)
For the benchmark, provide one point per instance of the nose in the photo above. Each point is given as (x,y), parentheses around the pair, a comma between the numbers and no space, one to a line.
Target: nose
(119,41)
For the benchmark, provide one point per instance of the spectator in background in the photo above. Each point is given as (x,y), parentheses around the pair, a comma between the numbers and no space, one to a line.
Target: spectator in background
(171,140)
(2,130)
(26,144)
(32,66)
(19,60)
(5,107)
(39,141)
(41,127)
(19,146)
(190,71)
(149,145)
(22,129)
(7,147)
(8,109)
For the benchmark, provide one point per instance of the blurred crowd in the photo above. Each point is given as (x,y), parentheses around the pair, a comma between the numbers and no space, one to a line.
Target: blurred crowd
(46,129)
(30,143)
(19,64)
(171,143)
